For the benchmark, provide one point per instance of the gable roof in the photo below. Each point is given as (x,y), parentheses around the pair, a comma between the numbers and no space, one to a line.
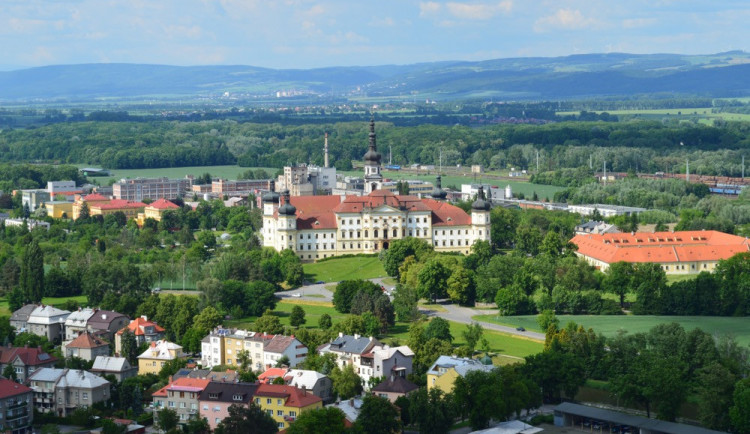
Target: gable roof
(226,392)
(86,340)
(29,356)
(119,204)
(684,246)
(303,378)
(279,344)
(111,364)
(315,212)
(23,313)
(448,362)
(352,344)
(160,350)
(163,204)
(94,197)
(294,397)
(395,384)
(101,319)
(445,214)
(81,378)
(387,352)
(10,388)
(138,326)
(80,317)
(272,373)
(378,198)
(45,314)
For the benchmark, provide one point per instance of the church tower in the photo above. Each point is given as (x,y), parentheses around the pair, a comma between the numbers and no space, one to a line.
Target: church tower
(480,217)
(373,178)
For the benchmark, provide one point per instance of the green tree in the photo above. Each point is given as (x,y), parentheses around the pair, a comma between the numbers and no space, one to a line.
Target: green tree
(503,227)
(251,419)
(259,296)
(346,382)
(378,415)
(472,335)
(619,279)
(512,301)
(268,323)
(405,303)
(739,413)
(649,281)
(714,389)
(432,411)
(10,372)
(438,328)
(547,318)
(129,347)
(433,280)
(110,427)
(84,213)
(346,290)
(528,239)
(197,425)
(324,322)
(461,287)
(399,250)
(166,419)
(32,273)
(207,319)
(297,318)
(326,420)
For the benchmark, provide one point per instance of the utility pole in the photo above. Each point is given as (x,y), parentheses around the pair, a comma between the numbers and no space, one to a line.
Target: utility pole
(591,161)
(537,161)
(325,149)
(687,170)
(390,155)
(604,177)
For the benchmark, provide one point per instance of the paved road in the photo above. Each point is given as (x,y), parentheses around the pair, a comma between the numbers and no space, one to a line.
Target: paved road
(318,292)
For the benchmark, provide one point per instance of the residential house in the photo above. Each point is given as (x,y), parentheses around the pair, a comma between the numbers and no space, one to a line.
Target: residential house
(271,374)
(104,322)
(86,346)
(25,361)
(16,404)
(58,209)
(212,347)
(281,346)
(20,318)
(144,331)
(394,387)
(284,403)
(312,381)
(48,321)
(443,373)
(157,355)
(64,390)
(383,361)
(349,349)
(227,376)
(217,397)
(596,227)
(119,367)
(181,396)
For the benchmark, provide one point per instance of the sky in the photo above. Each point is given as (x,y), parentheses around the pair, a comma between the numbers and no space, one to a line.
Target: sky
(319,33)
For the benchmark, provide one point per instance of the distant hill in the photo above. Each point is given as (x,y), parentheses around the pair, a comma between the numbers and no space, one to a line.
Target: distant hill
(578,76)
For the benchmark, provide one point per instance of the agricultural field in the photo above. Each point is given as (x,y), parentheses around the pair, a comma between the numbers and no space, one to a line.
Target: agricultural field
(702,114)
(609,325)
(358,267)
(527,188)
(228,172)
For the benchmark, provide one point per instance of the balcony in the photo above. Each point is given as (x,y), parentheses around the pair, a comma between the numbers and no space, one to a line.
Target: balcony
(290,418)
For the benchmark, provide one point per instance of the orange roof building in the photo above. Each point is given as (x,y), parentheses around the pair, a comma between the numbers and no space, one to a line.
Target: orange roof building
(317,227)
(144,331)
(285,403)
(155,210)
(686,252)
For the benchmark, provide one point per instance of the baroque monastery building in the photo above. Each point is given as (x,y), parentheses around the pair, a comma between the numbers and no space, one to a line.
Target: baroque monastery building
(317,227)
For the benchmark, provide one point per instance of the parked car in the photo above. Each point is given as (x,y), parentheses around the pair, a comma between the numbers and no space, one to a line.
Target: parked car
(297,294)
(520,329)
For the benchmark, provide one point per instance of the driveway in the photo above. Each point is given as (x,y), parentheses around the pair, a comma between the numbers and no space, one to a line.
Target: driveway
(463,315)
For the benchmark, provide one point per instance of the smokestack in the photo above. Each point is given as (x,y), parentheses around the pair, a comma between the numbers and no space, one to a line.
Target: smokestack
(325,150)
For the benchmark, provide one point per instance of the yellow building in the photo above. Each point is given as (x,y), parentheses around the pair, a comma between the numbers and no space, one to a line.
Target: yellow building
(157,355)
(155,210)
(443,373)
(127,207)
(285,403)
(90,200)
(59,209)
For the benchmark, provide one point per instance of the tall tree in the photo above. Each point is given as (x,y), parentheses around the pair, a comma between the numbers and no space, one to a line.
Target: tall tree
(251,420)
(129,347)
(346,382)
(297,317)
(32,273)
(378,415)
(327,420)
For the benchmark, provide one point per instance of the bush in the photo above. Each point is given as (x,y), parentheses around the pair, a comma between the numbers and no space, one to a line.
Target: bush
(542,418)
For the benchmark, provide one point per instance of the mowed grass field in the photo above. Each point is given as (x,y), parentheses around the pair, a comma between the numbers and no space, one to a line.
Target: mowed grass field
(686,113)
(609,325)
(52,301)
(505,348)
(344,269)
(228,172)
(527,188)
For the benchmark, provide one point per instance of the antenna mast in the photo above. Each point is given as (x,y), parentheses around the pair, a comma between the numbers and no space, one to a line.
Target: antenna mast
(325,151)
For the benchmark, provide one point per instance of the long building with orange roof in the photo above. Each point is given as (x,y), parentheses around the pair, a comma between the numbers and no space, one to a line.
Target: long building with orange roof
(318,227)
(686,252)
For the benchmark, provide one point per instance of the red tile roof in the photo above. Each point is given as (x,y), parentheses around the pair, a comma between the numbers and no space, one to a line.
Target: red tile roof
(94,197)
(86,340)
(685,246)
(139,324)
(315,212)
(119,204)
(355,204)
(184,383)
(163,204)
(29,356)
(445,214)
(294,397)
(10,388)
(272,373)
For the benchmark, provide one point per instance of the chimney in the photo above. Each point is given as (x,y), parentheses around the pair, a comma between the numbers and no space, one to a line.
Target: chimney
(325,151)
(356,336)
(145,318)
(341,335)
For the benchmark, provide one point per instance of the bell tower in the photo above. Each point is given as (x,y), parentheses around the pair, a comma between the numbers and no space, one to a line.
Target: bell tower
(372,158)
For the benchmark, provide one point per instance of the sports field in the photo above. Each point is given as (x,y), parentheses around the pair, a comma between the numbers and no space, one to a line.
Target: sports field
(609,325)
(339,269)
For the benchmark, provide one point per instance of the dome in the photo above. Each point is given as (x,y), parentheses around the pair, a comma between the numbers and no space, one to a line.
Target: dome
(372,155)
(271,196)
(438,192)
(287,208)
(480,204)
(486,360)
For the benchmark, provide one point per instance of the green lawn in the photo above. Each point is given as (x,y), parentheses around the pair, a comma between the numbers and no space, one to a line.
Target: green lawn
(54,301)
(228,172)
(608,325)
(336,270)
(508,348)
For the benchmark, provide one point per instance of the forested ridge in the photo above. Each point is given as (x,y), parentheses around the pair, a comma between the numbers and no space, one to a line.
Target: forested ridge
(646,145)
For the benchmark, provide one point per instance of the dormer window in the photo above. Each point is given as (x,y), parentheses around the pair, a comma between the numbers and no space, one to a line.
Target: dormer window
(213,396)
(237,397)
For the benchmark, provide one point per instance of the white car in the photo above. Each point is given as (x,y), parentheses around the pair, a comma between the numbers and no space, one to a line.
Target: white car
(297,294)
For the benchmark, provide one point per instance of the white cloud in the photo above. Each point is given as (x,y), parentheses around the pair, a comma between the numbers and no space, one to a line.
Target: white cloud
(478,11)
(564,19)
(382,22)
(428,8)
(632,23)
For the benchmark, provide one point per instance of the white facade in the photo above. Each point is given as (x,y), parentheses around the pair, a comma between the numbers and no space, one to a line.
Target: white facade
(57,186)
(470,191)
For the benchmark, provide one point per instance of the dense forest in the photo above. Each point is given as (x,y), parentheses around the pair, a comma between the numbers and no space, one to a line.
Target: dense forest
(643,145)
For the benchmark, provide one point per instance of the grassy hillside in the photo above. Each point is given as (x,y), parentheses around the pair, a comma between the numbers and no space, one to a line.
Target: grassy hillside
(339,269)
